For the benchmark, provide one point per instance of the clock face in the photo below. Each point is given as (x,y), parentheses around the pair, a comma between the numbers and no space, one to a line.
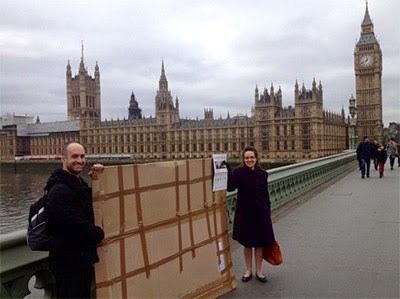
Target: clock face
(366,60)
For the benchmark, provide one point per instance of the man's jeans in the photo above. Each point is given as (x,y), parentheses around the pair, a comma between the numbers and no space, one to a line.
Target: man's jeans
(363,162)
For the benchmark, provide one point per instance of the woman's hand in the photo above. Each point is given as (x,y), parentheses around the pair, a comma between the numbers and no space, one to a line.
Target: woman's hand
(226,164)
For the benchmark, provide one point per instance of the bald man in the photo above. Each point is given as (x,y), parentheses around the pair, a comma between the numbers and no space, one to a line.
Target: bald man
(70,220)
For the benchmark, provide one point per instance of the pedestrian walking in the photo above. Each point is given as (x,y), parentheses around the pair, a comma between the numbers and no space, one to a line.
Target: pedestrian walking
(381,157)
(391,149)
(70,220)
(376,146)
(398,154)
(252,224)
(365,152)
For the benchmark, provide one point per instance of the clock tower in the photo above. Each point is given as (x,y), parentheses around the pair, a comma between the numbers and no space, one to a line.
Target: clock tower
(368,72)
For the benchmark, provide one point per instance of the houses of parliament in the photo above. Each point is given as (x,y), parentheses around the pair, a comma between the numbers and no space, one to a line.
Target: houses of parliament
(304,131)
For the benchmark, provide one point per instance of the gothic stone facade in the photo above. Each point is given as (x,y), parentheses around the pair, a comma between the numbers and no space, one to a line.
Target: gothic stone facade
(280,134)
(303,132)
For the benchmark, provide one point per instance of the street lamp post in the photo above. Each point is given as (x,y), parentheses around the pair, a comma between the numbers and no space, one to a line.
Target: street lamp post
(352,110)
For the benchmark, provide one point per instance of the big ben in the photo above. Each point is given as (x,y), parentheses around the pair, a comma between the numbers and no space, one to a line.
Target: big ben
(368,72)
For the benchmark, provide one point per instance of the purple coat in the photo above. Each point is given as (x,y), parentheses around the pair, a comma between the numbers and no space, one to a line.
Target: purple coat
(252,225)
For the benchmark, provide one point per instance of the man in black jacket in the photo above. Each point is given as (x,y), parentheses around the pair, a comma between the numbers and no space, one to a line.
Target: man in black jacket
(365,151)
(70,220)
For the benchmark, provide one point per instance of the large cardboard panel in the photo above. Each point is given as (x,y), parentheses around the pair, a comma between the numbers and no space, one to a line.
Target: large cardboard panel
(166,232)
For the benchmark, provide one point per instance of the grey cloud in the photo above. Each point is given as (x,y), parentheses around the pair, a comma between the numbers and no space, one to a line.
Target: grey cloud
(273,42)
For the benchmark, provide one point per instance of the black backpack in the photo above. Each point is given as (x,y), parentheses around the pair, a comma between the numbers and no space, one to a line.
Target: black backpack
(36,236)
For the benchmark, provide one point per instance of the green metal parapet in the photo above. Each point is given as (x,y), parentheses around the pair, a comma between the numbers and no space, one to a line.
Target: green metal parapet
(19,263)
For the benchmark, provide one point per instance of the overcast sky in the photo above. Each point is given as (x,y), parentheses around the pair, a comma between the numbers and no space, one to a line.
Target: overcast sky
(215,52)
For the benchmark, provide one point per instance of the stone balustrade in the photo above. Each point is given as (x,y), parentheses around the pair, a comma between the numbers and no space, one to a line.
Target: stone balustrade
(19,263)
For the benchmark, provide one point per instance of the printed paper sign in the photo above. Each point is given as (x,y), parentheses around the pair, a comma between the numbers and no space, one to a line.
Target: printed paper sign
(220,172)
(221,266)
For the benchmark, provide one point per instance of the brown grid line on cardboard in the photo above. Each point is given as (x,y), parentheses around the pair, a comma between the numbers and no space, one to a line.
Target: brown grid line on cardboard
(178,219)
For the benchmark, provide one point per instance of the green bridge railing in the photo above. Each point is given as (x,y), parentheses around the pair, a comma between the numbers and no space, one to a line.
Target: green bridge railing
(19,263)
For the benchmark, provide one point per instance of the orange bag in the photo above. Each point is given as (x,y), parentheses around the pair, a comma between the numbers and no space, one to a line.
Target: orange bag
(272,254)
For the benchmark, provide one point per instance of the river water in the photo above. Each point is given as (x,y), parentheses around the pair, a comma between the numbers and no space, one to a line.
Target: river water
(20,187)
(23,183)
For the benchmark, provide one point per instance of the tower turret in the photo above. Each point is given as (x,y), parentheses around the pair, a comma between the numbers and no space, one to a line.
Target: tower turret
(314,85)
(256,95)
(69,72)
(166,113)
(134,112)
(83,93)
(296,91)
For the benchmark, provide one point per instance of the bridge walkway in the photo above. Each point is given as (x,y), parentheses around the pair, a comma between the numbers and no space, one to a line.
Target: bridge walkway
(341,240)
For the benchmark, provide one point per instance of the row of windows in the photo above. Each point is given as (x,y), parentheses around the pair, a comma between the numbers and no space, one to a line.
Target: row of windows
(189,134)
(305,130)
(157,136)
(90,101)
(366,48)
(61,140)
(285,145)
(6,151)
(194,135)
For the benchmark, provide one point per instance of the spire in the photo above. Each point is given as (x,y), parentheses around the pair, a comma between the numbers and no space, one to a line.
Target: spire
(82,51)
(314,84)
(162,68)
(163,83)
(367,19)
(69,73)
(256,94)
(133,99)
(82,65)
(296,86)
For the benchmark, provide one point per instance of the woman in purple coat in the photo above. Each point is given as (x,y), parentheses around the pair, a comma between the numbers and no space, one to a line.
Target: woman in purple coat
(252,224)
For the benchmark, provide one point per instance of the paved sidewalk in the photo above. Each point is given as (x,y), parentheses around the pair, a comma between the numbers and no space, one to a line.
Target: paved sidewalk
(343,242)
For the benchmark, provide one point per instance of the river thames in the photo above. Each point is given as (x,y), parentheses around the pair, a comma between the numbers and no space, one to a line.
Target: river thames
(21,184)
(20,187)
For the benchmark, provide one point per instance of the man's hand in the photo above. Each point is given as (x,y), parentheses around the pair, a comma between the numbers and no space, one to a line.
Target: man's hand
(96,170)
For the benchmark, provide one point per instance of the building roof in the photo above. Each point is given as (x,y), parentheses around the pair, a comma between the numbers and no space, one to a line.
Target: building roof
(367,38)
(367,19)
(204,123)
(43,129)
(125,122)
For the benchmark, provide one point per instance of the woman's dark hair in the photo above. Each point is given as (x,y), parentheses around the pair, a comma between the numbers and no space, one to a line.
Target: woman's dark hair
(249,149)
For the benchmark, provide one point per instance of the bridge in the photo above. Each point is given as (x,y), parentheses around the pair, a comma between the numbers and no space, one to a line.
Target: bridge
(339,236)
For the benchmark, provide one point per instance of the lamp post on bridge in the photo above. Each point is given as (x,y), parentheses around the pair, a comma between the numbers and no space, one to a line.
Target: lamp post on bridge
(353,124)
